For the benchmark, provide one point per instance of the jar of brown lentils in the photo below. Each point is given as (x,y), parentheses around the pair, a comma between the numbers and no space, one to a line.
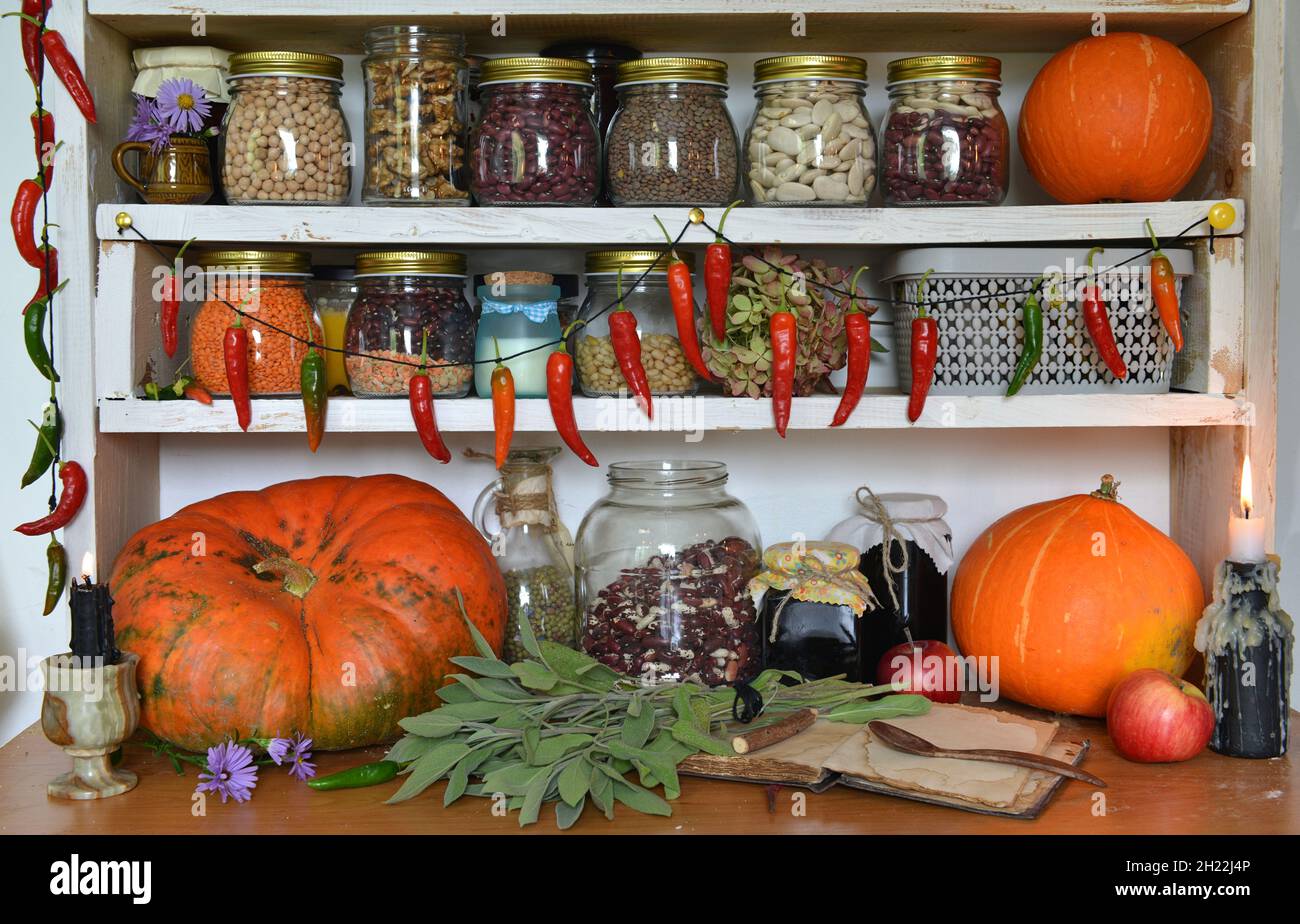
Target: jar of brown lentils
(284,138)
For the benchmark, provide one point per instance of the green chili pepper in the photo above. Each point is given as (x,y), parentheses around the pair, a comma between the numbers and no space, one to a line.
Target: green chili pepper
(311,377)
(34,338)
(57,560)
(358,777)
(1032,319)
(47,440)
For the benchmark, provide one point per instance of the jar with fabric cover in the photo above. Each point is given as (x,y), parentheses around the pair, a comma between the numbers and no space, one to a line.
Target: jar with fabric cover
(530,545)
(516,314)
(906,552)
(812,599)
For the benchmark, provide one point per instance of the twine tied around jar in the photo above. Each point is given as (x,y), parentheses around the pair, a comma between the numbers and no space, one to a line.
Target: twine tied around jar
(820,572)
(874,509)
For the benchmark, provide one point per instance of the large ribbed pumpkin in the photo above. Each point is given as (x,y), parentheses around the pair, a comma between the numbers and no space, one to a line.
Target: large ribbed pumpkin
(1072,595)
(324,606)
(1120,117)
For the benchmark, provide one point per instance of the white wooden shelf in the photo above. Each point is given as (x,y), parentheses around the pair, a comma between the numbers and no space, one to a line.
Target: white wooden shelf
(521,226)
(672,26)
(704,413)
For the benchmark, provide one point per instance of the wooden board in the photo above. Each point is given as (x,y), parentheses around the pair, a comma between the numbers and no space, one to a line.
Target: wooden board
(1210,794)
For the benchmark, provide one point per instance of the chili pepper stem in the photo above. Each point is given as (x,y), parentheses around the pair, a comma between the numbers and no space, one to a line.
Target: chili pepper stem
(717,234)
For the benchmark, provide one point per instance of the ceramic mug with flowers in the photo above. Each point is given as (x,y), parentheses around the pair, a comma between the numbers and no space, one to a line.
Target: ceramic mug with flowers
(168,134)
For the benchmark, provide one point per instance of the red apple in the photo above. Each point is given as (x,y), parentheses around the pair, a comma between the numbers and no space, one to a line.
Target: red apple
(1153,717)
(923,667)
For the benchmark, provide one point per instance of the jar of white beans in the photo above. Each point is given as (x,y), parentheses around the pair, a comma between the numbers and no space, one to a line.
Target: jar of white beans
(284,138)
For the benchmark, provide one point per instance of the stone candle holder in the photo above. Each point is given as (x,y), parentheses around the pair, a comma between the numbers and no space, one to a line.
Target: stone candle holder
(89,711)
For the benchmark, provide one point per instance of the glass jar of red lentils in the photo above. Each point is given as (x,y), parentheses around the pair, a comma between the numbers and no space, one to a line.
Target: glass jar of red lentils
(270,289)
(410,305)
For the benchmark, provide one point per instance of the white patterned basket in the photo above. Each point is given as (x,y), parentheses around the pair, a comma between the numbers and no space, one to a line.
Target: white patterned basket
(980,331)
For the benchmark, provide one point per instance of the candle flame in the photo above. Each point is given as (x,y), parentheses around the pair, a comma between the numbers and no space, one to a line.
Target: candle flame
(88,564)
(1247,488)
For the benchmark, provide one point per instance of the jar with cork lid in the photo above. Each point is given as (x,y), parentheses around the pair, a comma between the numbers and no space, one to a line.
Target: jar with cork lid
(285,139)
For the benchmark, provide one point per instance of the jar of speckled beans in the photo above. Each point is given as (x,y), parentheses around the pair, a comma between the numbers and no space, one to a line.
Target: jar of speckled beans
(284,138)
(409,303)
(535,143)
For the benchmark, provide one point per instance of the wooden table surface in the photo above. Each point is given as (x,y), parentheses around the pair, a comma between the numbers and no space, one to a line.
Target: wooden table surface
(1209,794)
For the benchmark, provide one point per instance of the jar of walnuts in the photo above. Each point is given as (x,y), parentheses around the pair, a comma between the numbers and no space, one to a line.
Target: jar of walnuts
(415,117)
(284,138)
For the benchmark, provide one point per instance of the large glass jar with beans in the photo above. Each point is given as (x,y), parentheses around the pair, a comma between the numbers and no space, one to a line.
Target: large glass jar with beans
(945,139)
(416,103)
(410,308)
(535,143)
(810,141)
(269,287)
(667,370)
(672,141)
(284,138)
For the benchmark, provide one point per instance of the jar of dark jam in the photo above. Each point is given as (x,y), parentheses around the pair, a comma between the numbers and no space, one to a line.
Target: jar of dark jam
(816,607)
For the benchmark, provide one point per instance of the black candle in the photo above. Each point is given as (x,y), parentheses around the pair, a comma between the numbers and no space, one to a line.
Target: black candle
(92,622)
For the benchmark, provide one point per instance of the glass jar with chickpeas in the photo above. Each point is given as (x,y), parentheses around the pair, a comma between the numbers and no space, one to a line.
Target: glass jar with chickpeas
(668,372)
(284,139)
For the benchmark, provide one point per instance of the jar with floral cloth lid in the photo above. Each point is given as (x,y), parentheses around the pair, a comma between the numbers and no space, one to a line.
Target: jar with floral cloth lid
(812,599)
(906,553)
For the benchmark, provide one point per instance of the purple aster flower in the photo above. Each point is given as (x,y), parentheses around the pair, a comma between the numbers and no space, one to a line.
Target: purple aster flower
(231,772)
(301,765)
(277,748)
(146,127)
(183,104)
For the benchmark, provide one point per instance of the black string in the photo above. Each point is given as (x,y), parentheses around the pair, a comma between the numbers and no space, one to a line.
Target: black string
(748,704)
(577,325)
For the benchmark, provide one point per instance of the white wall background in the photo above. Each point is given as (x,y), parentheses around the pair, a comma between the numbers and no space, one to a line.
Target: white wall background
(803,484)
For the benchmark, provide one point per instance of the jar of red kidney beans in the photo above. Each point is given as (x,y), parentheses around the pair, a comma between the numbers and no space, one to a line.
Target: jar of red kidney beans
(535,143)
(945,140)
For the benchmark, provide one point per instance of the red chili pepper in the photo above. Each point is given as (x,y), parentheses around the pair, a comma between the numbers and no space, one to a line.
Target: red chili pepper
(73,477)
(681,295)
(717,277)
(22,218)
(49,281)
(1164,289)
(43,139)
(68,71)
(33,55)
(197,393)
(420,393)
(627,350)
(503,411)
(1098,324)
(235,350)
(169,314)
(924,353)
(857,336)
(783,332)
(559,393)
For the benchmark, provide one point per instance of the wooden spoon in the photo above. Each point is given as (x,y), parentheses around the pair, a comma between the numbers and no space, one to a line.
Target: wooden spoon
(901,740)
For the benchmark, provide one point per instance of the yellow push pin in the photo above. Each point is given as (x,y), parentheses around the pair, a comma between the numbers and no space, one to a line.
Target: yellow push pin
(123,220)
(696,215)
(1222,216)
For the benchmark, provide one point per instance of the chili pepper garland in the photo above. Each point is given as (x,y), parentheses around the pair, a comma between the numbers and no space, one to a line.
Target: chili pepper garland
(857,337)
(717,277)
(1164,290)
(1097,321)
(924,352)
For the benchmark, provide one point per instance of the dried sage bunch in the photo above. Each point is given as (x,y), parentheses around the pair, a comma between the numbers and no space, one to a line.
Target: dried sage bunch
(562,727)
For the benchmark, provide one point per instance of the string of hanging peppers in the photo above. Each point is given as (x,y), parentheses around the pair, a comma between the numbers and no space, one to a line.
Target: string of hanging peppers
(68,482)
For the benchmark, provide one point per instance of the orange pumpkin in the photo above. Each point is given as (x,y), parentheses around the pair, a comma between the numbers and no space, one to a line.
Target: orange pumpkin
(1122,117)
(324,606)
(1071,596)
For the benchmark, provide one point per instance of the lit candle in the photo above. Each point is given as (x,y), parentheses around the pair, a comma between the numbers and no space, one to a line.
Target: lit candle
(92,617)
(1246,533)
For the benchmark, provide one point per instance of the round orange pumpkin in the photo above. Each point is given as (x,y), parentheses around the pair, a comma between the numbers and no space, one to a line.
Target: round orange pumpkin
(1071,596)
(326,607)
(1123,117)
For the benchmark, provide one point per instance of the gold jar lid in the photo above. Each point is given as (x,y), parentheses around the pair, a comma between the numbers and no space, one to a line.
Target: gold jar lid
(810,67)
(945,67)
(286,63)
(672,70)
(546,70)
(633,261)
(276,262)
(410,263)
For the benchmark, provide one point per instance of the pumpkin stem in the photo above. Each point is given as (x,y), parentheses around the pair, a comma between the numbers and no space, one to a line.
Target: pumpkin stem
(298,579)
(1109,489)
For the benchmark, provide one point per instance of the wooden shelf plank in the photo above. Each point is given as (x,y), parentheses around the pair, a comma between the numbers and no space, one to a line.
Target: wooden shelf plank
(671,26)
(704,413)
(520,226)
